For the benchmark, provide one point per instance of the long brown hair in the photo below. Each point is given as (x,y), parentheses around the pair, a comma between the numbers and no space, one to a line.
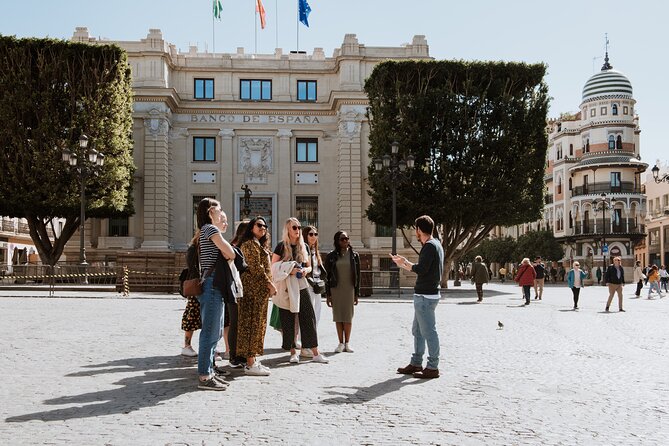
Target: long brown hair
(314,249)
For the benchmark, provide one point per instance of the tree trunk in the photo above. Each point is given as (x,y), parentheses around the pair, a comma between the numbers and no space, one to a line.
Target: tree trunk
(50,252)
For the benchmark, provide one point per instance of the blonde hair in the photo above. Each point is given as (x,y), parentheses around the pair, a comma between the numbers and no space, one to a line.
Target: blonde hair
(526,261)
(576,264)
(301,254)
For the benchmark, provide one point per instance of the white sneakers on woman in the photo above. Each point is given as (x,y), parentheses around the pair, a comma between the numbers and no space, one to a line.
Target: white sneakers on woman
(340,348)
(256,370)
(347,348)
(321,359)
(294,358)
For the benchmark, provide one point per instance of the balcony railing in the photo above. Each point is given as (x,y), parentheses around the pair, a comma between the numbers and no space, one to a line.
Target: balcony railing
(548,199)
(626,226)
(626,187)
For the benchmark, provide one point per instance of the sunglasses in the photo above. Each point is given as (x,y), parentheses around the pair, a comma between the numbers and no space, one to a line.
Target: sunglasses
(313,234)
(261,226)
(343,239)
(297,228)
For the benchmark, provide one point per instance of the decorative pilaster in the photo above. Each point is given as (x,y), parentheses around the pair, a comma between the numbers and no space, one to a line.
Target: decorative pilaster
(349,164)
(156,183)
(227,182)
(284,176)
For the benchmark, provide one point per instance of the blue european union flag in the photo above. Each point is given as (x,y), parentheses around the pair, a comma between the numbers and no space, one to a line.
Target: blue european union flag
(305,9)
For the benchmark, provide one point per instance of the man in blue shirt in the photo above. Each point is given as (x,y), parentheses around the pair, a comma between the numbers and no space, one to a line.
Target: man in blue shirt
(429,270)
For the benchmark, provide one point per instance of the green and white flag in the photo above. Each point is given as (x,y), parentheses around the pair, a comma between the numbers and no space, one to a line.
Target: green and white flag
(217,9)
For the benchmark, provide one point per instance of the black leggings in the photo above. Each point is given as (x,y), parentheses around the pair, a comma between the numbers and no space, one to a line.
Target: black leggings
(576,292)
(307,319)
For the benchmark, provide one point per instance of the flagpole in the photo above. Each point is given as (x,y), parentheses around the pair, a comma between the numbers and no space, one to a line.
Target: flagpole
(297,25)
(213,34)
(276,12)
(256,27)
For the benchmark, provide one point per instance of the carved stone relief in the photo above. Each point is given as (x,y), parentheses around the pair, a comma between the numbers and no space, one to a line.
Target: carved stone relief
(255,158)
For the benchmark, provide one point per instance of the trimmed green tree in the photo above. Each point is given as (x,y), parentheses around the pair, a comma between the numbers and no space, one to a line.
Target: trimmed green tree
(538,243)
(477,130)
(52,92)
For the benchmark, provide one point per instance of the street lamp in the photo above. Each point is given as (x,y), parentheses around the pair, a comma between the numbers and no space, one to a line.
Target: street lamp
(656,175)
(394,170)
(604,204)
(91,160)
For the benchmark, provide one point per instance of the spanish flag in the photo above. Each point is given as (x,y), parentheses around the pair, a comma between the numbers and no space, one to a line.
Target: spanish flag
(260,9)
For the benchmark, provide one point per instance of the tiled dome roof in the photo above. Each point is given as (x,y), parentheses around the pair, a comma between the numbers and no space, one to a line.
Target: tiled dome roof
(607,82)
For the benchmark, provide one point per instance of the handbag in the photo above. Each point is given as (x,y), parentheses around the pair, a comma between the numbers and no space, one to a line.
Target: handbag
(318,285)
(192,287)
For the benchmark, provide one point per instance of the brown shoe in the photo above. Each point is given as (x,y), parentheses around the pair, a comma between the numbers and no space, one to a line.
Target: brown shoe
(410,369)
(427,373)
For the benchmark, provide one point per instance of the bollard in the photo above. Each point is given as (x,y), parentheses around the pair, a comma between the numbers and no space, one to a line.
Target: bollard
(126,288)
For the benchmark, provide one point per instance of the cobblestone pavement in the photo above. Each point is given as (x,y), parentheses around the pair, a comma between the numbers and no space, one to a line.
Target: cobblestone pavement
(94,371)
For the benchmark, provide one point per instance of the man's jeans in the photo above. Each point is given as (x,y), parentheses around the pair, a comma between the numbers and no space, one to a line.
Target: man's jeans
(424,331)
(211,310)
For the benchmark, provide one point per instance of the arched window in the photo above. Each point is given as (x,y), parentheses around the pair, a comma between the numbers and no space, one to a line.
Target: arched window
(571,150)
(612,142)
(559,186)
(614,109)
(587,145)
(619,142)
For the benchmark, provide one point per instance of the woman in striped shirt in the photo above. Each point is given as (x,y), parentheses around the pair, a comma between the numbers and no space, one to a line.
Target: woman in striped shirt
(212,223)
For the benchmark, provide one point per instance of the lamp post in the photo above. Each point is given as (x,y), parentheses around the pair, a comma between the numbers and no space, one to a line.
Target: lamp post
(92,159)
(246,210)
(656,175)
(395,172)
(604,204)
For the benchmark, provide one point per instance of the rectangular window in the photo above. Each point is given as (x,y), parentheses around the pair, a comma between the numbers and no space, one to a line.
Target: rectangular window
(255,90)
(602,111)
(306,90)
(204,148)
(383,231)
(592,112)
(615,182)
(118,227)
(625,110)
(204,89)
(306,150)
(307,210)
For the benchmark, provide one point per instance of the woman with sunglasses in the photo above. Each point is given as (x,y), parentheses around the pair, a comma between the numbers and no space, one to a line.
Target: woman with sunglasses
(258,287)
(342,287)
(291,264)
(310,234)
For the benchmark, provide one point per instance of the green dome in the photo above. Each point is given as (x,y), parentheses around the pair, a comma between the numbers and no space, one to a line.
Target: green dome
(607,82)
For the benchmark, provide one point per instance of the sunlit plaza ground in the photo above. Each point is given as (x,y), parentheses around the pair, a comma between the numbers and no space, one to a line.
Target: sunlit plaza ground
(106,370)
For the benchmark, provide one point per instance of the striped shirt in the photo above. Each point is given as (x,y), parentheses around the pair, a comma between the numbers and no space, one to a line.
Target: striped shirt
(208,250)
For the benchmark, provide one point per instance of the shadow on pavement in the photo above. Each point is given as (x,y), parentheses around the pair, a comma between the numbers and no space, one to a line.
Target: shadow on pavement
(365,394)
(163,378)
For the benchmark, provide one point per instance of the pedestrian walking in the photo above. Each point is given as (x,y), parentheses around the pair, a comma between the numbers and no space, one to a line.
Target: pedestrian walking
(479,276)
(258,287)
(502,274)
(664,278)
(598,274)
(525,278)
(290,266)
(575,278)
(342,288)
(654,281)
(540,271)
(615,278)
(429,270)
(639,276)
(212,223)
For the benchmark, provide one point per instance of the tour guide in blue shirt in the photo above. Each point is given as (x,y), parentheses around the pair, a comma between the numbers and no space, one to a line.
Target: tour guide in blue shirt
(429,270)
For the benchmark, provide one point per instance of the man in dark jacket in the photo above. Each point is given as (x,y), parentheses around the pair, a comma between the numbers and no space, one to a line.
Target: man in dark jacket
(615,278)
(429,270)
(479,276)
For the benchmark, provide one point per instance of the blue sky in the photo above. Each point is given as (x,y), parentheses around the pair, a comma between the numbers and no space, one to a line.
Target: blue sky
(568,36)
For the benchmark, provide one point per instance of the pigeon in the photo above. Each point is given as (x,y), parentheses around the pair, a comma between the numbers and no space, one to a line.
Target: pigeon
(500,325)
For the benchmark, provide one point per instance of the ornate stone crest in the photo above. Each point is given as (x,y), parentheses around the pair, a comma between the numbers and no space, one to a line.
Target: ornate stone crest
(255,158)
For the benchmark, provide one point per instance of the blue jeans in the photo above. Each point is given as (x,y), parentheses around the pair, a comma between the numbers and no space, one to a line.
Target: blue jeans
(424,331)
(211,311)
(526,293)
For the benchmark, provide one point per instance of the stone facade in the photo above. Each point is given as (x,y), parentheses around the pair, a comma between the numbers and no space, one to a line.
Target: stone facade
(206,124)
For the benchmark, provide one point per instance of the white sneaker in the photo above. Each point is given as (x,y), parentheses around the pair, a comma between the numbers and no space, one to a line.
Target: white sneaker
(188,351)
(256,370)
(320,358)
(347,348)
(298,345)
(340,348)
(294,358)
(218,357)
(306,353)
